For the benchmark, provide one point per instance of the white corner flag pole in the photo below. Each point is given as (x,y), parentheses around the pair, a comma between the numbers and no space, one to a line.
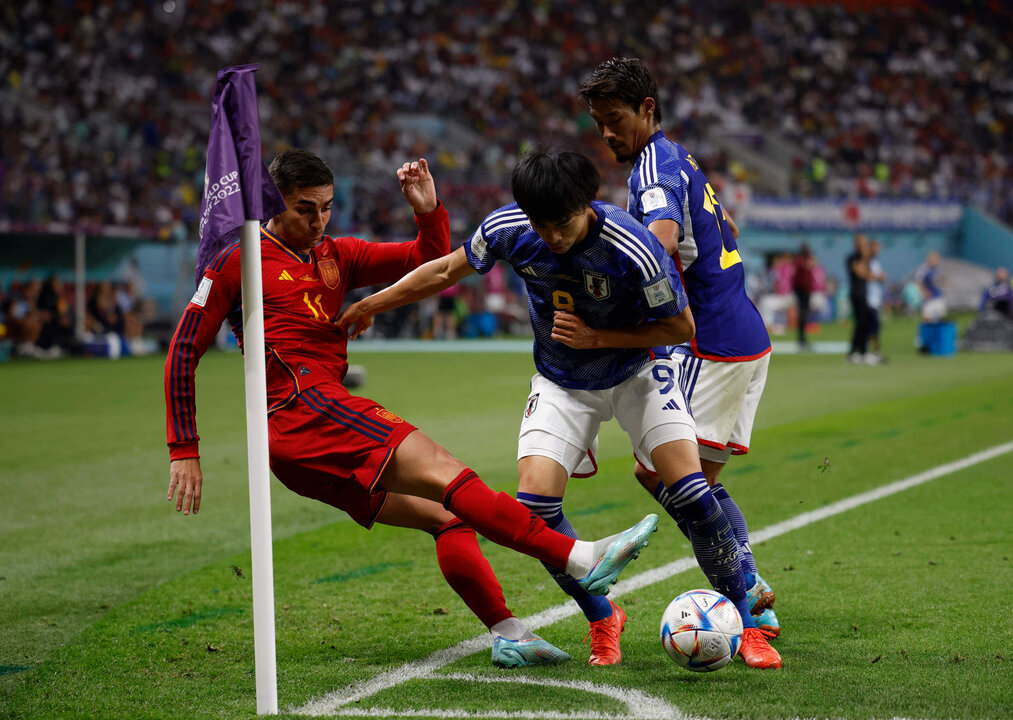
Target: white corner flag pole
(260,479)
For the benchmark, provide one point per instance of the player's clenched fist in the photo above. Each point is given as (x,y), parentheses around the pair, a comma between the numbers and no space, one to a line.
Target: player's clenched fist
(570,330)
(185,482)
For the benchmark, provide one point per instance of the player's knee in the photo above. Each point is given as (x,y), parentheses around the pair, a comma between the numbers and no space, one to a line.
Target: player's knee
(421,462)
(541,475)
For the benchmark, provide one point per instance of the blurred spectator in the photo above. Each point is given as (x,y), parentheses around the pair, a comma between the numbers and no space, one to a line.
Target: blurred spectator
(777,301)
(57,335)
(875,295)
(911,296)
(104,313)
(105,110)
(999,295)
(803,284)
(38,317)
(24,320)
(501,300)
(858,292)
(933,300)
(446,317)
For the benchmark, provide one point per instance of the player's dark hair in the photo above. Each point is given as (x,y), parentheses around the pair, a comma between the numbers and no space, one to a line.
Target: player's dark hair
(296,169)
(552,187)
(625,79)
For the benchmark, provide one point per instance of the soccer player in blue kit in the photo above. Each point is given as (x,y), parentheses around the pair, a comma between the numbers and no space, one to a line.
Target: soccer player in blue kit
(602,291)
(725,365)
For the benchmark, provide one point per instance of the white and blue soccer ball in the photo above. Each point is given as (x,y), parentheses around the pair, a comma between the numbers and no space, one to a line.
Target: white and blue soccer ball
(701,630)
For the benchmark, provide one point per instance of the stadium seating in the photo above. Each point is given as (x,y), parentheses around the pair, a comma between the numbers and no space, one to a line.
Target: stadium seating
(105,106)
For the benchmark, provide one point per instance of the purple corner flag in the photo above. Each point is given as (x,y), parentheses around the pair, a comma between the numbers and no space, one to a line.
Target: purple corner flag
(237,186)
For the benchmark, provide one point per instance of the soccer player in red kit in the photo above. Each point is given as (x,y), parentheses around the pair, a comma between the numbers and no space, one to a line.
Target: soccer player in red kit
(348,451)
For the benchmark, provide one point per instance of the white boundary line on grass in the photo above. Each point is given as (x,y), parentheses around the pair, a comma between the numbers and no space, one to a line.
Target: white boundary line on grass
(640,704)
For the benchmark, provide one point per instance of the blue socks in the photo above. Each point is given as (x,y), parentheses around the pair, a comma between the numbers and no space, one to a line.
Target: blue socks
(714,543)
(550,509)
(738,522)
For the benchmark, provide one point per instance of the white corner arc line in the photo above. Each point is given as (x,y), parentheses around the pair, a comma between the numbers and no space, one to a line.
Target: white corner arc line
(641,705)
(330,703)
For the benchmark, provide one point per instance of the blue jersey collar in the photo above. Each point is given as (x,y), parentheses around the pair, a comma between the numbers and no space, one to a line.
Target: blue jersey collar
(660,135)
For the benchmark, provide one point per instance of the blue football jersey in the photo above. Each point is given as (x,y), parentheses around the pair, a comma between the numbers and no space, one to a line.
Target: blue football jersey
(667,183)
(618,276)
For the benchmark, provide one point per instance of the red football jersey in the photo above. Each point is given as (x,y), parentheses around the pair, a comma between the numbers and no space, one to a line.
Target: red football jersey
(302,298)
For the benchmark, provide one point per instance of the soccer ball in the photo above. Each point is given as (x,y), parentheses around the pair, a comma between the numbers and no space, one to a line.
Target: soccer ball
(701,630)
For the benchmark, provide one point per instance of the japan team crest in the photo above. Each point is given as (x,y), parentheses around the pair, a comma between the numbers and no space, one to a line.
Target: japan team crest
(329,272)
(596,284)
(532,405)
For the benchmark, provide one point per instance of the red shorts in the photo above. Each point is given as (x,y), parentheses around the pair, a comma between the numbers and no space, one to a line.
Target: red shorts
(333,447)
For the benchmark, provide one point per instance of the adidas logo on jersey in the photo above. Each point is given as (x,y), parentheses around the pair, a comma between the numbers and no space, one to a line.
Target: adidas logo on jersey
(285,276)
(529,271)
(671,405)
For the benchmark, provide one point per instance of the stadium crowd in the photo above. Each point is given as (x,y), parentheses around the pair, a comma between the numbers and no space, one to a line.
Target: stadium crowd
(105,104)
(37,319)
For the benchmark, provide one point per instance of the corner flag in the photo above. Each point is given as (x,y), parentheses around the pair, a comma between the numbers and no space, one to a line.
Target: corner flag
(237,186)
(239,193)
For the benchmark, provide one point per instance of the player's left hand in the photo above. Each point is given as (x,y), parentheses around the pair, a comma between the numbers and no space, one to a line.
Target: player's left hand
(570,330)
(418,186)
(185,477)
(356,320)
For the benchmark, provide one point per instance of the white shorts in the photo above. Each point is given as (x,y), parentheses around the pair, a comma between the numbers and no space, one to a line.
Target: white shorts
(723,397)
(562,424)
(934,309)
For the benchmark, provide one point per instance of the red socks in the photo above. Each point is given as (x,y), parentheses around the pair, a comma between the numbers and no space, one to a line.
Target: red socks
(468,572)
(505,521)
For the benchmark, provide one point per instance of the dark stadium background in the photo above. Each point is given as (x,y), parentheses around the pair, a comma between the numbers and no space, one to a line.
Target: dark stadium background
(105,112)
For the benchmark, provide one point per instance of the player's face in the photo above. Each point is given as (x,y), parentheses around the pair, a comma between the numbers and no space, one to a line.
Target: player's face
(560,237)
(625,132)
(302,225)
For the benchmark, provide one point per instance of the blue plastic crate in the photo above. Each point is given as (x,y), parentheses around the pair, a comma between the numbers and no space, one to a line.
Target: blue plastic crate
(938,338)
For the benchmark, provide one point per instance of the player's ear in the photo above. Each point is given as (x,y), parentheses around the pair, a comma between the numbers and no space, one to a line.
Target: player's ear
(647,107)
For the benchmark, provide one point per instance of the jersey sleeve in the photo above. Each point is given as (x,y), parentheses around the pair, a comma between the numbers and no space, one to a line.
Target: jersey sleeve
(664,293)
(494,238)
(219,293)
(645,264)
(372,263)
(665,197)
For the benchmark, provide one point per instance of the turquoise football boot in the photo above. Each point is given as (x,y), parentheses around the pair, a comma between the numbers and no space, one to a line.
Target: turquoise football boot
(623,548)
(768,622)
(532,651)
(761,597)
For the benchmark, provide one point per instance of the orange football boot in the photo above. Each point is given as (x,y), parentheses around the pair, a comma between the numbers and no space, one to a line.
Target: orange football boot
(756,651)
(604,636)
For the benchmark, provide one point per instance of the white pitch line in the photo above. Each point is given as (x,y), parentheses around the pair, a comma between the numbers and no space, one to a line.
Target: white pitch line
(641,705)
(331,702)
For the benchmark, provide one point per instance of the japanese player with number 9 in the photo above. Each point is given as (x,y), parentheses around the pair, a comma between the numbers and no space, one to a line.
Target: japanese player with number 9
(602,291)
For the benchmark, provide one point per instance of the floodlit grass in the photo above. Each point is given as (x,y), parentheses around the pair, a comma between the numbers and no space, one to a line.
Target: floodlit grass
(114,606)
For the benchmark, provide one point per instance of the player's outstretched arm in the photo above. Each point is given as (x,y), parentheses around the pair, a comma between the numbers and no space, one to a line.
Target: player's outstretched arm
(423,281)
(572,331)
(418,186)
(185,482)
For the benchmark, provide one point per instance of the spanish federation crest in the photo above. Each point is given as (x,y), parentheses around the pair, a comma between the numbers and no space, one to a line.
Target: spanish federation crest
(596,284)
(329,272)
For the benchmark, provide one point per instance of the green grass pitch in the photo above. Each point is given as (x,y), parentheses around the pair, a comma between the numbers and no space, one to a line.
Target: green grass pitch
(112,605)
